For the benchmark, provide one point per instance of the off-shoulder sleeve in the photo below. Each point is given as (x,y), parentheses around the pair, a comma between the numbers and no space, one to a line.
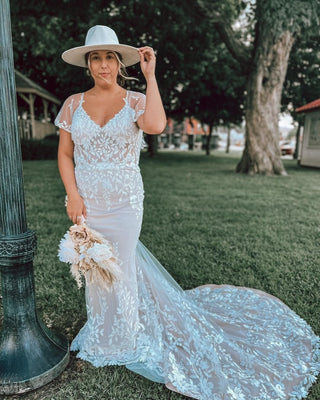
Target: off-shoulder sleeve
(64,117)
(138,103)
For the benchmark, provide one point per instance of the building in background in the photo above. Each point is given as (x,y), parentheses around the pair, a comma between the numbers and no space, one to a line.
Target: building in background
(310,148)
(34,106)
(187,134)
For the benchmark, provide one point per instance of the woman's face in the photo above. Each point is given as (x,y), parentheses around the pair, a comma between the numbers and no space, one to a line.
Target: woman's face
(103,66)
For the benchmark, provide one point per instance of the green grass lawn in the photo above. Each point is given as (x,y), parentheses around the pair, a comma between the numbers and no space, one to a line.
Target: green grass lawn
(206,224)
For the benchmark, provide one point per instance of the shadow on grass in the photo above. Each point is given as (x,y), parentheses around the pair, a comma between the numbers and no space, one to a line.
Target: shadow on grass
(217,161)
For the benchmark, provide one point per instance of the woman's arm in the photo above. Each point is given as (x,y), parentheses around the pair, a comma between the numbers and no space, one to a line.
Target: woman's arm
(75,204)
(153,120)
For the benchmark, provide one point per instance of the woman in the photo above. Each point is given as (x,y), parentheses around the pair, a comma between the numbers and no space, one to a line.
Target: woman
(212,342)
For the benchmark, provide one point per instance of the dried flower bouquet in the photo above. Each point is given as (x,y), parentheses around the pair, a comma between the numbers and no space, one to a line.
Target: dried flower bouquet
(91,256)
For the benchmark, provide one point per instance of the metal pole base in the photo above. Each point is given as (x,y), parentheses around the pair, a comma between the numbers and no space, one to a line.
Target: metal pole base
(14,384)
(31,355)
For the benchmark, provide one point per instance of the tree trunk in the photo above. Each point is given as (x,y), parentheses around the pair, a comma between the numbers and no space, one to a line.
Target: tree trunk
(208,144)
(190,142)
(152,142)
(228,140)
(262,151)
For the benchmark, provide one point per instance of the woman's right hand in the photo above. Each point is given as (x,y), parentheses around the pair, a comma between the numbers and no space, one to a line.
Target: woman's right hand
(76,208)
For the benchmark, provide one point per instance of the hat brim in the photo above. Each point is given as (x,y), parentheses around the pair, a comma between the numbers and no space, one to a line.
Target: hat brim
(76,56)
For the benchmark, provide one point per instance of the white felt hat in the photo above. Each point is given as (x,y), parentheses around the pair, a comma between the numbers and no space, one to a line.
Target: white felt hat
(101,37)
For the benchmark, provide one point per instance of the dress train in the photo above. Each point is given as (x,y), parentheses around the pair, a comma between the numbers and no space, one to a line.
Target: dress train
(214,342)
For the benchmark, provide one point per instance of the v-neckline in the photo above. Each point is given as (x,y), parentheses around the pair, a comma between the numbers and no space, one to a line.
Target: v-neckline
(125,99)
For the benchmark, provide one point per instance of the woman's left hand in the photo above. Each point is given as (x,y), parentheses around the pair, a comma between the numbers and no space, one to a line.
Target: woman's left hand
(147,61)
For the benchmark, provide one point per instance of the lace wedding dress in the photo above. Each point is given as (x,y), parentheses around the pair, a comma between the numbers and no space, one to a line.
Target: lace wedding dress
(209,343)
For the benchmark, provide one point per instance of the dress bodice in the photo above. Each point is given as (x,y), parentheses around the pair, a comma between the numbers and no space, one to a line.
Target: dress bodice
(117,143)
(106,157)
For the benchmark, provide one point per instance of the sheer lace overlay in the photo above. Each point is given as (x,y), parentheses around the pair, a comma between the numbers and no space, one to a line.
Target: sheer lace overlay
(209,343)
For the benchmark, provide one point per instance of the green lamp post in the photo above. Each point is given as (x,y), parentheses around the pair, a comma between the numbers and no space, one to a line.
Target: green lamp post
(30,354)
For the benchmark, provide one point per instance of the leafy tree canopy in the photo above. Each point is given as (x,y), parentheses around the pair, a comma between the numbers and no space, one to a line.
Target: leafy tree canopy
(303,78)
(196,74)
(43,30)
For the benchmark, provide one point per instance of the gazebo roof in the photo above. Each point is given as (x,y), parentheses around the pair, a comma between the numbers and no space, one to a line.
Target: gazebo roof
(309,107)
(26,85)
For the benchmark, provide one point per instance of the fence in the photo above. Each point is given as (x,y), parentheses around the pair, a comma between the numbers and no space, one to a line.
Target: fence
(41,129)
(24,126)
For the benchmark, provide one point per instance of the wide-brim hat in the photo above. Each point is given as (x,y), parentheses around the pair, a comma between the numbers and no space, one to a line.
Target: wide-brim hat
(101,37)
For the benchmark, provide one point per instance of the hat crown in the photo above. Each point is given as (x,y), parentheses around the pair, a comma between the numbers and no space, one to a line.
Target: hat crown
(101,37)
(100,34)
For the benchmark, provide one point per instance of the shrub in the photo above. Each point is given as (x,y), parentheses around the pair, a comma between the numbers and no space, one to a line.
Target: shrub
(40,149)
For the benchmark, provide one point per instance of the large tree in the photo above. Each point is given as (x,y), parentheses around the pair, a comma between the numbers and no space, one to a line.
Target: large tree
(263,54)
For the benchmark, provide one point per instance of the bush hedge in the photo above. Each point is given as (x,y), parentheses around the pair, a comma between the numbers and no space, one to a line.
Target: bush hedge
(40,149)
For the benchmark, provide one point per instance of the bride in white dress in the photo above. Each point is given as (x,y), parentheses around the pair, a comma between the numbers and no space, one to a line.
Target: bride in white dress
(209,343)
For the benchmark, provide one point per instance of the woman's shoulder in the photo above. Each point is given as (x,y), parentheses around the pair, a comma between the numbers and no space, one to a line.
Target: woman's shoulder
(72,102)
(74,97)
(135,95)
(136,100)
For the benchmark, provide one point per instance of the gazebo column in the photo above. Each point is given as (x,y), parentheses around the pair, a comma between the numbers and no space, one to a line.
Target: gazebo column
(32,114)
(45,109)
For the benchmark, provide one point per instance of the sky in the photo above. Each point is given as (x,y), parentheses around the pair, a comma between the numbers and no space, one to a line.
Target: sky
(286,121)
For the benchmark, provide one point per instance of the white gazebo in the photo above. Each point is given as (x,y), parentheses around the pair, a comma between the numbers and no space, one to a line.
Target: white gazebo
(30,126)
(310,149)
